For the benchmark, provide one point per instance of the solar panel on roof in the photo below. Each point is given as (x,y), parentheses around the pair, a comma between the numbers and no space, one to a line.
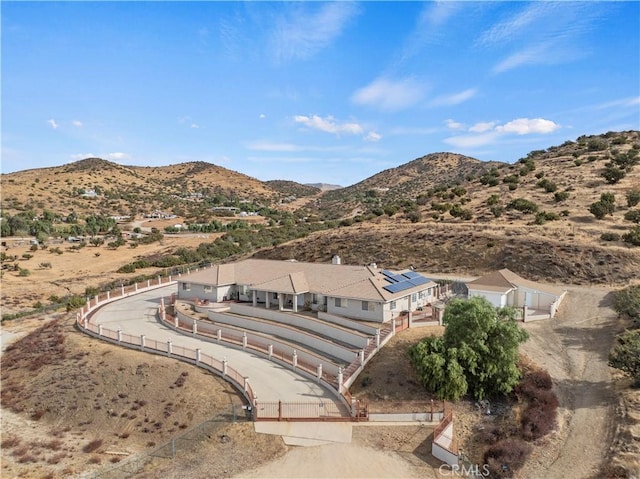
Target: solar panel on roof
(397,287)
(411,275)
(390,275)
(418,281)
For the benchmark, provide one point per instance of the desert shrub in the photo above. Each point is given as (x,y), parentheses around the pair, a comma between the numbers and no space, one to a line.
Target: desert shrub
(633,197)
(633,236)
(542,217)
(9,442)
(493,200)
(632,215)
(626,355)
(497,211)
(612,174)
(604,206)
(540,175)
(24,272)
(127,268)
(626,302)
(561,196)
(511,179)
(523,205)
(548,185)
(458,191)
(458,211)
(505,457)
(492,434)
(27,256)
(75,302)
(539,418)
(597,144)
(610,237)
(578,162)
(92,445)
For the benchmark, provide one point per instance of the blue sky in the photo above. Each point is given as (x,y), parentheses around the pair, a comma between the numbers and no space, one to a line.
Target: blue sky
(311,91)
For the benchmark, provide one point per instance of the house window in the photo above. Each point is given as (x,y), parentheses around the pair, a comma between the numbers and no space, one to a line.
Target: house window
(208,289)
(365,306)
(392,305)
(340,303)
(314,298)
(421,295)
(413,297)
(186,286)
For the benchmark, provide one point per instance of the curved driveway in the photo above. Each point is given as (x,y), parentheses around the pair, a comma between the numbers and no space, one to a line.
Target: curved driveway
(136,315)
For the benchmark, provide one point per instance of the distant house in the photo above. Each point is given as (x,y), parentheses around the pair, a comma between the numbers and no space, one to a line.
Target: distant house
(358,292)
(505,288)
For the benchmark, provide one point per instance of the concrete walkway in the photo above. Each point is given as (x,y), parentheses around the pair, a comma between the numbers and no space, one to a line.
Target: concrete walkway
(136,315)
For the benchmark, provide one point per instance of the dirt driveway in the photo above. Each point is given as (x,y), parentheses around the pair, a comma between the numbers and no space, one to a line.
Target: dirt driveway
(574,349)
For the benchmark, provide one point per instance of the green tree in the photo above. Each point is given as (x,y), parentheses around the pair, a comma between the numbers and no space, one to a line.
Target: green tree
(612,174)
(478,352)
(603,207)
(626,355)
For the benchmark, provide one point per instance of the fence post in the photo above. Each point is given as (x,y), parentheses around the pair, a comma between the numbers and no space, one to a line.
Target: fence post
(279,410)
(176,322)
(169,347)
(294,359)
(100,329)
(270,350)
(160,280)
(135,286)
(97,298)
(431,412)
(219,335)
(378,339)
(244,340)
(319,372)
(361,356)
(195,327)
(86,322)
(198,356)
(108,295)
(148,283)
(119,335)
(224,366)
(340,379)
(246,384)
(142,338)
(122,290)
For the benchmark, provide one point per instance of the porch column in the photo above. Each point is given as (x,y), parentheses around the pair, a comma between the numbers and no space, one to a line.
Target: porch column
(266,301)
(295,303)
(254,297)
(280,302)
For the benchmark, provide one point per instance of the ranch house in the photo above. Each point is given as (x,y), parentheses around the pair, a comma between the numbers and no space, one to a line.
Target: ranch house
(365,293)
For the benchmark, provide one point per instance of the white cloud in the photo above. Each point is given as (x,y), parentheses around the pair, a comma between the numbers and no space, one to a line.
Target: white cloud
(53,124)
(534,55)
(527,126)
(328,125)
(453,125)
(77,123)
(117,156)
(390,95)
(455,98)
(623,102)
(300,33)
(482,126)
(262,116)
(471,141)
(194,125)
(268,146)
(373,136)
(484,133)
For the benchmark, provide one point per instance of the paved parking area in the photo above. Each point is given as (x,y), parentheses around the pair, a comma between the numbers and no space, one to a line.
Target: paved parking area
(136,315)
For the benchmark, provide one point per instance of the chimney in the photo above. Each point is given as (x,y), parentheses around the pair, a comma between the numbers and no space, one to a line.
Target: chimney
(373,265)
(336,259)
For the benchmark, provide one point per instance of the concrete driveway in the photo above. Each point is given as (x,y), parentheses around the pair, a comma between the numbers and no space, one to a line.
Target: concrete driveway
(136,315)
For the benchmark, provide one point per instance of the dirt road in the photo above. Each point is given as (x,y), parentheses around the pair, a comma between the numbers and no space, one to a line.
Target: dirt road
(574,349)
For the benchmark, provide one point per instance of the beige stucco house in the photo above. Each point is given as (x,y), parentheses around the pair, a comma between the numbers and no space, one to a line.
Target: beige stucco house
(505,288)
(358,292)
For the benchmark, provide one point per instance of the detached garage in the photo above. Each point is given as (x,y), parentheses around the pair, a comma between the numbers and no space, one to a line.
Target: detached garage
(505,288)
